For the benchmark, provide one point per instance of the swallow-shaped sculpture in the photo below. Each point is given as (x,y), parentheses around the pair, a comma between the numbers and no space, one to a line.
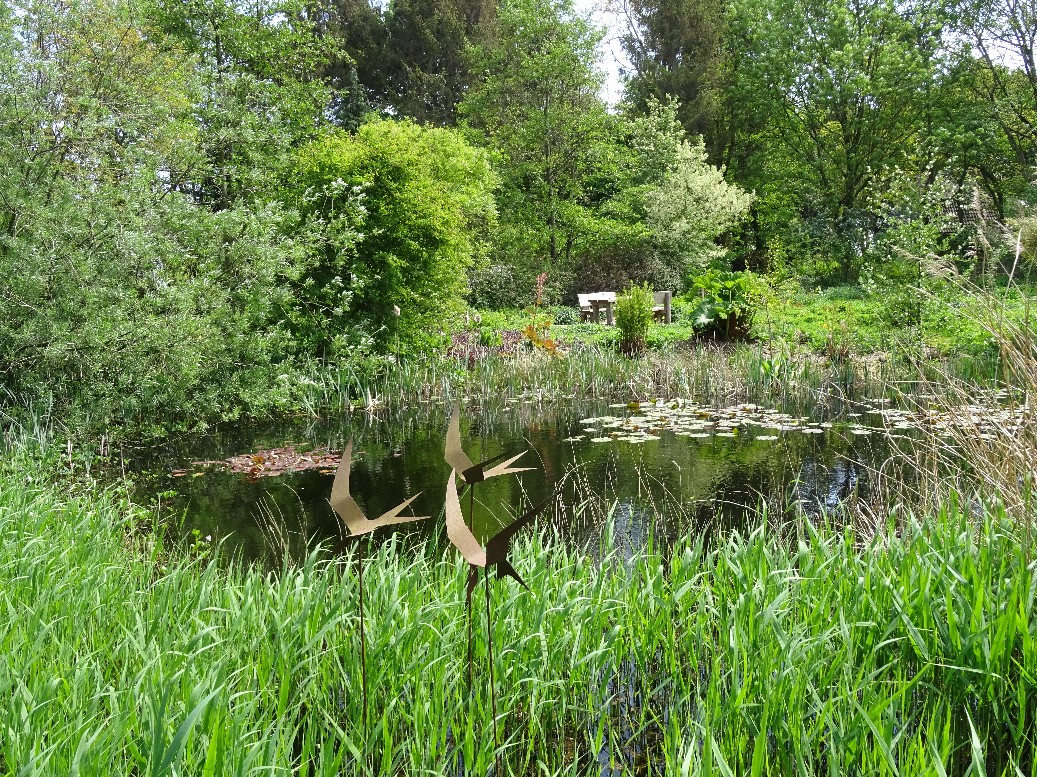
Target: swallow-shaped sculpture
(353,517)
(349,511)
(475,473)
(495,554)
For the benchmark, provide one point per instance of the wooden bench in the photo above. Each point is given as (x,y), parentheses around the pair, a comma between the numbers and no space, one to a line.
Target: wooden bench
(661,308)
(591,305)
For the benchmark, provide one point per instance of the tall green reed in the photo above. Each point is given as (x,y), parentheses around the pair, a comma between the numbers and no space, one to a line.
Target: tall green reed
(911,653)
(706,372)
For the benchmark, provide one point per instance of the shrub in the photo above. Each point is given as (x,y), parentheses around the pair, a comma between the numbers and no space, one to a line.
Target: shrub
(692,208)
(565,315)
(402,210)
(726,304)
(633,317)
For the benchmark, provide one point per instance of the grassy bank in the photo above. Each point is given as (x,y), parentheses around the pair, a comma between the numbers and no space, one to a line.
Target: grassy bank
(943,321)
(913,652)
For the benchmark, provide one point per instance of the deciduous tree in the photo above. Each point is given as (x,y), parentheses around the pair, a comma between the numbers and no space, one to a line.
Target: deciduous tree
(537,107)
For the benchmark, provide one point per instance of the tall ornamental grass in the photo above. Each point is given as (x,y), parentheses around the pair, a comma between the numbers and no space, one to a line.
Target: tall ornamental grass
(634,317)
(983,439)
(912,654)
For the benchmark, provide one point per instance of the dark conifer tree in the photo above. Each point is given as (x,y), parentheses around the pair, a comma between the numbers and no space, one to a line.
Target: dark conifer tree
(676,49)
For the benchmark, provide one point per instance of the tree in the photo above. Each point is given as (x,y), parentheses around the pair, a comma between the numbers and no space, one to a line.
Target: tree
(1003,38)
(658,205)
(691,208)
(428,39)
(676,49)
(122,301)
(259,91)
(358,70)
(408,57)
(825,96)
(537,107)
(402,211)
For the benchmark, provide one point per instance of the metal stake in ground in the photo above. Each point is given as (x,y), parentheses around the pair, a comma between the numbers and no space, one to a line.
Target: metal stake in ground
(358,524)
(495,554)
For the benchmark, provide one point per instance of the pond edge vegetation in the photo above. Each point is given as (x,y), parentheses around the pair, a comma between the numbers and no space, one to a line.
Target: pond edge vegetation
(787,649)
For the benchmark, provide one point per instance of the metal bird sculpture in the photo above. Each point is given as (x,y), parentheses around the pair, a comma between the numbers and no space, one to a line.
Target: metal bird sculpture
(349,511)
(495,554)
(475,473)
(357,523)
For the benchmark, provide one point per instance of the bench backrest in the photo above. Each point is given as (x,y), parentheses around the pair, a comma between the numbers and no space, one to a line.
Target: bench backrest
(660,297)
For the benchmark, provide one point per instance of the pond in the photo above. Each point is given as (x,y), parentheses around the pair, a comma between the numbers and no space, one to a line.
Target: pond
(659,469)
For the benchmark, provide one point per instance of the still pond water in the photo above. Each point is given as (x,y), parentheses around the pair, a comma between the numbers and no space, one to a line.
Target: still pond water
(669,470)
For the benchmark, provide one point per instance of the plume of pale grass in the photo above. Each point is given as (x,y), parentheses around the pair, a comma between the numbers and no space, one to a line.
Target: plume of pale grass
(981,439)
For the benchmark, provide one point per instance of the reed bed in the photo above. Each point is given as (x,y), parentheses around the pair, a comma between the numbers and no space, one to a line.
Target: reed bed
(980,438)
(715,373)
(811,652)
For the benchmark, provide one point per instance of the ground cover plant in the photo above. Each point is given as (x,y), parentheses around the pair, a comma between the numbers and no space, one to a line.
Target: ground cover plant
(801,650)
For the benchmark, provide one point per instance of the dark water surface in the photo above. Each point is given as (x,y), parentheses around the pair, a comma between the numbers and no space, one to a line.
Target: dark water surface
(670,486)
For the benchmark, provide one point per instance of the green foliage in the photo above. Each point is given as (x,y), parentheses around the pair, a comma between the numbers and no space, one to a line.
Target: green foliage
(125,304)
(537,108)
(402,210)
(822,103)
(659,205)
(1001,56)
(254,93)
(1026,237)
(634,317)
(564,314)
(726,303)
(408,58)
(429,68)
(676,50)
(259,671)
(691,208)
(817,318)
(489,337)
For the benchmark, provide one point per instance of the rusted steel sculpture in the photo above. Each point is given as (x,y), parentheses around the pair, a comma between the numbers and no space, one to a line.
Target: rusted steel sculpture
(357,523)
(495,552)
(475,473)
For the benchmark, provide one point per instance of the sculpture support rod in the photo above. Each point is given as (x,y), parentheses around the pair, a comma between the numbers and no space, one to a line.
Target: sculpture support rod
(471,616)
(363,638)
(493,684)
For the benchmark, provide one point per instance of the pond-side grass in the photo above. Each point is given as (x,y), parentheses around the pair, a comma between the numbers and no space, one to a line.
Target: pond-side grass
(816,651)
(714,373)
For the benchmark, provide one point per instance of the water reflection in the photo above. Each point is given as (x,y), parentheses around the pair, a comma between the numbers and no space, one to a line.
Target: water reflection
(664,487)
